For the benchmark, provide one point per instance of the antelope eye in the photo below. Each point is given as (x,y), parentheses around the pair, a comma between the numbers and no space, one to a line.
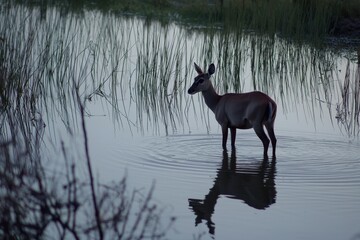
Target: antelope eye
(201,80)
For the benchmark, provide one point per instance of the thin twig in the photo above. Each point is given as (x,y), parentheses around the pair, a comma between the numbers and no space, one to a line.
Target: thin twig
(93,195)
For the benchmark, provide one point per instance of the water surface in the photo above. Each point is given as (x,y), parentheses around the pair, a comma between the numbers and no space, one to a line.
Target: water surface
(133,76)
(310,191)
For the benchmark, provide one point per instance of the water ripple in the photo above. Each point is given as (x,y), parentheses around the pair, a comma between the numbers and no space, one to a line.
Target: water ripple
(304,158)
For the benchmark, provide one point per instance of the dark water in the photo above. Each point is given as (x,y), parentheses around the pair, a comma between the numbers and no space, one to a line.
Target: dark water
(142,124)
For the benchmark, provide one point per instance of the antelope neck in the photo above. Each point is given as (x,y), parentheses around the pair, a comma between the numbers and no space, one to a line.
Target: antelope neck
(211,98)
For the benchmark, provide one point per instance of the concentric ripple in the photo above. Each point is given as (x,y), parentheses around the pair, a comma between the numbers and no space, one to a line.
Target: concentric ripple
(309,159)
(314,176)
(197,154)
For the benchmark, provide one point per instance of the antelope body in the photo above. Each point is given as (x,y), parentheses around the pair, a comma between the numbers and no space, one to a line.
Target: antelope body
(238,110)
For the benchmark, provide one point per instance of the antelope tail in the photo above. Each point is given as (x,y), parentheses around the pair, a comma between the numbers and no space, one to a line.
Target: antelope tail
(269,114)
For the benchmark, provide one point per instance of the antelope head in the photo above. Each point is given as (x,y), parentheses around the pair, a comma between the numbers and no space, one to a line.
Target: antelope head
(202,80)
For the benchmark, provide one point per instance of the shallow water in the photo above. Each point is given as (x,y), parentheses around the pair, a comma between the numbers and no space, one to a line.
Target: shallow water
(142,124)
(311,191)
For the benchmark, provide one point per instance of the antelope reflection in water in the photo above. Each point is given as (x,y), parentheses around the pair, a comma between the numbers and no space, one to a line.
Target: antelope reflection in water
(253,184)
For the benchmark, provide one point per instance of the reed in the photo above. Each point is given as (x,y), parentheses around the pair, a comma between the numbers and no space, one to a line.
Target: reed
(348,106)
(291,72)
(49,70)
(149,68)
(158,81)
(295,19)
(291,18)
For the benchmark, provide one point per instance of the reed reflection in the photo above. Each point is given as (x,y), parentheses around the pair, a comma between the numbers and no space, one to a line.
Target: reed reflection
(254,184)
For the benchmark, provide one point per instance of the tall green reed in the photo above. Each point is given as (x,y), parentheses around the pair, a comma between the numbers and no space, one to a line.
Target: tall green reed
(50,68)
(348,105)
(59,54)
(296,19)
(141,69)
(274,65)
(158,84)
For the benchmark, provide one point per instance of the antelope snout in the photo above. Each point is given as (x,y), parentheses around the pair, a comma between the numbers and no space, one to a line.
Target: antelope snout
(191,91)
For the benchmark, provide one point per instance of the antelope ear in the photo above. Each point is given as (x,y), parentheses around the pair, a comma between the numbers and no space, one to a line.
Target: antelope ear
(198,69)
(211,69)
